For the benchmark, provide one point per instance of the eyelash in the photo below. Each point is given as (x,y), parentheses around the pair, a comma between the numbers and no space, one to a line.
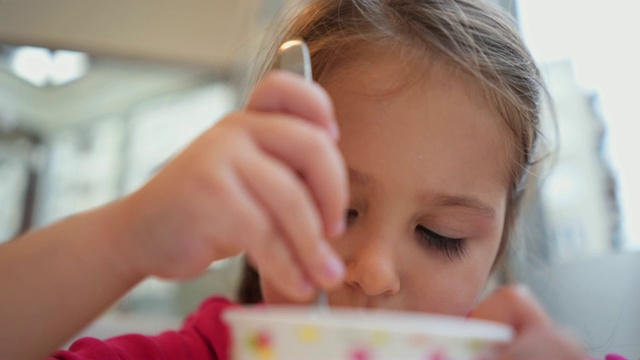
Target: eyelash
(452,248)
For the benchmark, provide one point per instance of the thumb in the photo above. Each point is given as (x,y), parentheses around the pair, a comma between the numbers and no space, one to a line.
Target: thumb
(291,94)
(514,305)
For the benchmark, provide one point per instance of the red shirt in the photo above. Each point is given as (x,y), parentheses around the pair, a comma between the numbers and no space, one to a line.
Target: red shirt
(204,336)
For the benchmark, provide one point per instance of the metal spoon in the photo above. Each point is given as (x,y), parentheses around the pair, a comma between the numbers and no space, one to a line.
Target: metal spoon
(293,55)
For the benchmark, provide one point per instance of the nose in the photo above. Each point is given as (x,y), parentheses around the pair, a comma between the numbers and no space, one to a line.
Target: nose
(373,270)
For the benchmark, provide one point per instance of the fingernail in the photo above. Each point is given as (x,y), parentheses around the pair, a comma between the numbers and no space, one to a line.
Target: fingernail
(339,227)
(334,269)
(334,130)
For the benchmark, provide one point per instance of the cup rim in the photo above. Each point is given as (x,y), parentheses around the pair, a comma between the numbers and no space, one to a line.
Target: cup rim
(389,321)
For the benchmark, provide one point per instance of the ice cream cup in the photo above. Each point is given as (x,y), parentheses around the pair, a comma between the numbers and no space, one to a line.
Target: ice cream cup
(298,333)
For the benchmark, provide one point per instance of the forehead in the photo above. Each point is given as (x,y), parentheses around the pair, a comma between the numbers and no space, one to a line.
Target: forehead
(429,122)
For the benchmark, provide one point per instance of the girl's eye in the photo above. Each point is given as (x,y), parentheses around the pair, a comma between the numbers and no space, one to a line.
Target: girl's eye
(351,216)
(452,248)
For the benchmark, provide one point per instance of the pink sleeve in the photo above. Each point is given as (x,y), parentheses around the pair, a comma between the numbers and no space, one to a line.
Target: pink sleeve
(203,337)
(615,357)
(611,357)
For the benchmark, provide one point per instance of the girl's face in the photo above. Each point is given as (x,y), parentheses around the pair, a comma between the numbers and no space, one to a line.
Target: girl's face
(428,165)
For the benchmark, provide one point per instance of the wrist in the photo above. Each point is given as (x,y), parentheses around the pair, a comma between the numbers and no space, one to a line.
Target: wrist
(119,240)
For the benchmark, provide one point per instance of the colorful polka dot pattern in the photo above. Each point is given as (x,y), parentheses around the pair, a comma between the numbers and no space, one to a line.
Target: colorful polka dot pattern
(309,334)
(261,345)
(311,342)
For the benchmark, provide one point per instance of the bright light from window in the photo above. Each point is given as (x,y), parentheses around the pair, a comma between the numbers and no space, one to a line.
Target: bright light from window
(42,67)
(600,39)
(32,64)
(68,66)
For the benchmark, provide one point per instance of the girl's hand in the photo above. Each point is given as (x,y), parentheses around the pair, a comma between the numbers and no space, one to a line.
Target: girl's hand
(537,338)
(268,180)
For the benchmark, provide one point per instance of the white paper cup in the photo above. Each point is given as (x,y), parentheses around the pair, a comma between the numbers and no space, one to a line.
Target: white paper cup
(296,333)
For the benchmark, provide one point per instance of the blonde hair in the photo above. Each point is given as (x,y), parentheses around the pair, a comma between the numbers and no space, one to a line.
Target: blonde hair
(473,36)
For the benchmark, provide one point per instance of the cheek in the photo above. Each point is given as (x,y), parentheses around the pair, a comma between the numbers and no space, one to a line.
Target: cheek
(453,293)
(438,285)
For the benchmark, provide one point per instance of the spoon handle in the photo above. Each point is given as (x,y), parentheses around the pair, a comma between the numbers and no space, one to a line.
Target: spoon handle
(293,55)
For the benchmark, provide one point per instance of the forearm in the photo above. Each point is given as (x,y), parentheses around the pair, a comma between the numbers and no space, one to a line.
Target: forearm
(54,281)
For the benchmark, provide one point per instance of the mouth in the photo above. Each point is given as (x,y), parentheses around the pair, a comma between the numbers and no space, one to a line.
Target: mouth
(345,299)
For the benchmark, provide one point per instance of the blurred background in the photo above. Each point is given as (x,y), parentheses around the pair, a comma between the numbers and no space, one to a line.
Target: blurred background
(96,96)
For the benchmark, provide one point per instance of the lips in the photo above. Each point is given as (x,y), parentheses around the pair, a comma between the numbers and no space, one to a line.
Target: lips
(347,297)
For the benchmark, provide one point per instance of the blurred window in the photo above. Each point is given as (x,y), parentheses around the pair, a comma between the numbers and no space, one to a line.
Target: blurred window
(589,56)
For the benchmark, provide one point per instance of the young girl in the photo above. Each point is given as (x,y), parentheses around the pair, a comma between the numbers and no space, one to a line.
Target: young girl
(422,125)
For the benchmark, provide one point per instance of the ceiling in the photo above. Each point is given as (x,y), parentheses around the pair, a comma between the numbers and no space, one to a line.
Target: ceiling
(206,33)
(138,49)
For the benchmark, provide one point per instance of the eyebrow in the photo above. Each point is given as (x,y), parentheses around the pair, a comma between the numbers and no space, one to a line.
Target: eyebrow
(468,202)
(359,178)
(441,200)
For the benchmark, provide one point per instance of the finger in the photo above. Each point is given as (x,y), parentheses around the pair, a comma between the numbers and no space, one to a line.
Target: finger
(216,237)
(291,94)
(246,221)
(513,305)
(544,344)
(292,209)
(312,155)
(276,263)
